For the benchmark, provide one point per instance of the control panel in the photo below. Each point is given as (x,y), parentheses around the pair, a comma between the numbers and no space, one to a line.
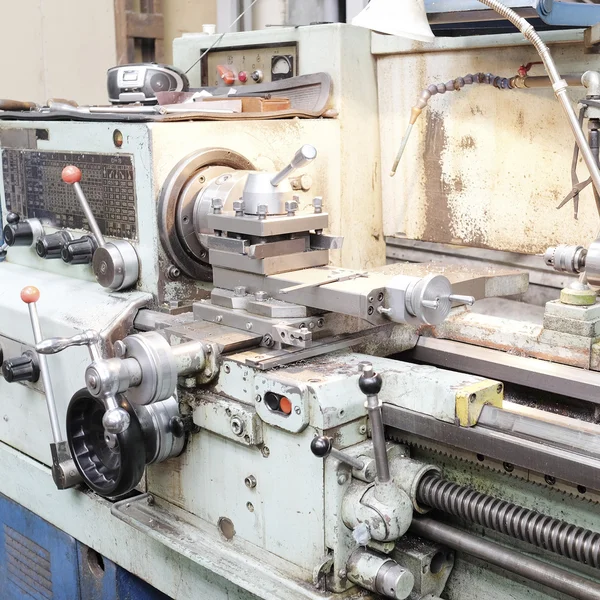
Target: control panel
(248,65)
(33,189)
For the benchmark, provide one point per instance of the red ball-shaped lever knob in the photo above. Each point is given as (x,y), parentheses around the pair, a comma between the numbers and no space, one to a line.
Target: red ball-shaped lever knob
(30,294)
(71,174)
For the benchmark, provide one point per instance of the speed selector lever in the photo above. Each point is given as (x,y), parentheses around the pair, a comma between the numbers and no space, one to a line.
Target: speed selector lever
(115,264)
(64,472)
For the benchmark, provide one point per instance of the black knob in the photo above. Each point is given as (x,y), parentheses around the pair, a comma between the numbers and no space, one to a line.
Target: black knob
(370,386)
(12,218)
(18,234)
(21,368)
(321,446)
(50,246)
(79,251)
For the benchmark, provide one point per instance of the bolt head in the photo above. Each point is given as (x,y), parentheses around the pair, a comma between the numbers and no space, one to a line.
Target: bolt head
(260,296)
(237,426)
(265,451)
(239,291)
(120,348)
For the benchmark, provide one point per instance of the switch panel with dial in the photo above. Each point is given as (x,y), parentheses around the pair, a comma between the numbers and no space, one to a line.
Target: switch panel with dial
(248,65)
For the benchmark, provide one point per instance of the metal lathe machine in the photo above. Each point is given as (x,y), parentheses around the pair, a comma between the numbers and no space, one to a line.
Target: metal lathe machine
(211,378)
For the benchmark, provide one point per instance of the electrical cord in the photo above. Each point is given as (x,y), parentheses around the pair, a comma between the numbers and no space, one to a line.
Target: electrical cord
(217,41)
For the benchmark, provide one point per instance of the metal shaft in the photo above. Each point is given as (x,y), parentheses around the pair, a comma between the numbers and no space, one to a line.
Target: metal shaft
(510,519)
(45,373)
(89,215)
(189,357)
(516,562)
(355,463)
(378,435)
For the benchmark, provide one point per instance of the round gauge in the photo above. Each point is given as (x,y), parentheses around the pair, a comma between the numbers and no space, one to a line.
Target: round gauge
(281,65)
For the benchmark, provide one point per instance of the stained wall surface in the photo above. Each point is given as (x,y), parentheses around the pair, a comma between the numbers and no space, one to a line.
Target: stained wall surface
(484,167)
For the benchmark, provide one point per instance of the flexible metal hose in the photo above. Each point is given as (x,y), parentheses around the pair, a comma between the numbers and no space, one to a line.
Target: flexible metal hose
(558,84)
(510,519)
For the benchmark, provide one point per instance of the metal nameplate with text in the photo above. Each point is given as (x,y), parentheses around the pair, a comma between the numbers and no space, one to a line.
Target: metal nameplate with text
(33,188)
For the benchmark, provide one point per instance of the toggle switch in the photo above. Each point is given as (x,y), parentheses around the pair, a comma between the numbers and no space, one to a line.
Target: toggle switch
(226,74)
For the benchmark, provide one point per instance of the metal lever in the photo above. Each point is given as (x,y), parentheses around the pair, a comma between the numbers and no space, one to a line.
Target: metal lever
(305,155)
(58,344)
(115,263)
(468,300)
(322,447)
(115,419)
(72,175)
(370,384)
(64,472)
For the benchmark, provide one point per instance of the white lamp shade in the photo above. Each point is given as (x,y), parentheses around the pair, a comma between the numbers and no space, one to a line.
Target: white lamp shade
(404,18)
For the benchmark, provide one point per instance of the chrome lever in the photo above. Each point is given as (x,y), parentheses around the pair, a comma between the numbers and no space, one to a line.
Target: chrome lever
(58,344)
(305,155)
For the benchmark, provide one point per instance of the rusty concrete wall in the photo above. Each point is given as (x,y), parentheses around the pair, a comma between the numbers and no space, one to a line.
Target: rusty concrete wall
(483,167)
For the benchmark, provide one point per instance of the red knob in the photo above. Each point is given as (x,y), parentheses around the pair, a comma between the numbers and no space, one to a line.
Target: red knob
(243,76)
(30,294)
(71,174)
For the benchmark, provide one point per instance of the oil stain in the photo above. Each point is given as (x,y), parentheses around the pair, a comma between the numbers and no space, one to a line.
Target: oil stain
(437,209)
(467,142)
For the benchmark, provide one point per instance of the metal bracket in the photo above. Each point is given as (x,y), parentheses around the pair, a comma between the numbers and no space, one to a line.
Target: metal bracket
(471,399)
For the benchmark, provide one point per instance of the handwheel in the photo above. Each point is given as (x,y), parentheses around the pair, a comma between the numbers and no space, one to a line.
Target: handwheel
(111,465)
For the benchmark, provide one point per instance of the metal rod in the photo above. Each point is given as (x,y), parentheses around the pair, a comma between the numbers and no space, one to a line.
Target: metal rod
(89,215)
(516,562)
(302,157)
(45,373)
(355,463)
(401,149)
(537,529)
(378,435)
(542,81)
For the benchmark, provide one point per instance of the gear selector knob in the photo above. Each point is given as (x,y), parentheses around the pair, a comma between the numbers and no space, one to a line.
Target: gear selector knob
(115,264)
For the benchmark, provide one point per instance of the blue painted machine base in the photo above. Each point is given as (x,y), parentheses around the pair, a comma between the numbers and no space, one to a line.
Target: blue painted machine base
(40,562)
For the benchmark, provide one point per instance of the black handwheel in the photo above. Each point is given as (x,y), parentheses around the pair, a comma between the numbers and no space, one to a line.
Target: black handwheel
(110,467)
